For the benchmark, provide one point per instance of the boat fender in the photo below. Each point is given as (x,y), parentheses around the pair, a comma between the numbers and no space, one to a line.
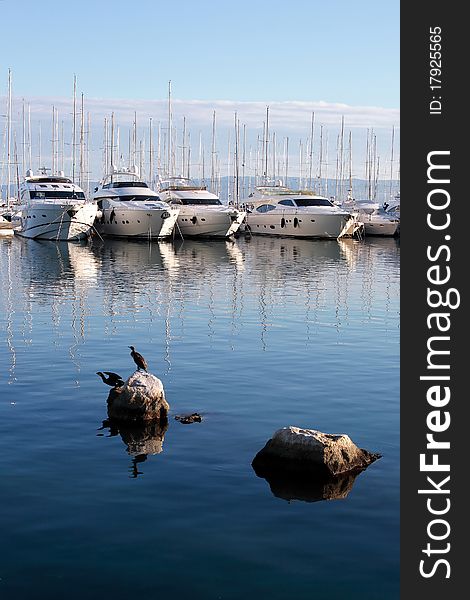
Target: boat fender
(283,222)
(193,220)
(296,222)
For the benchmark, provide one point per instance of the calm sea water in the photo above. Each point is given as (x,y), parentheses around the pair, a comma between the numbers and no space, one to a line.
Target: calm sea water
(254,335)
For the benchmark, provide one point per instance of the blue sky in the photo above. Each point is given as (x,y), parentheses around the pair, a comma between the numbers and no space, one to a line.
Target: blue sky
(337,51)
(336,59)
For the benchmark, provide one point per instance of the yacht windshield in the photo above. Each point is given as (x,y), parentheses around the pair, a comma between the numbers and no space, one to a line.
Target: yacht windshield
(120,184)
(313,202)
(205,201)
(58,195)
(138,198)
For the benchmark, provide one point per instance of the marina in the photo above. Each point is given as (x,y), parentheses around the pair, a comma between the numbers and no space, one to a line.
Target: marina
(253,334)
(200,302)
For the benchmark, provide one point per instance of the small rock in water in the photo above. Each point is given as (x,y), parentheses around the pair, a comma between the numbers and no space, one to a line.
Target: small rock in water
(186,419)
(310,451)
(141,398)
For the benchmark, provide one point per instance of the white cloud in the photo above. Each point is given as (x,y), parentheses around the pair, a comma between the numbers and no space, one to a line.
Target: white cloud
(288,119)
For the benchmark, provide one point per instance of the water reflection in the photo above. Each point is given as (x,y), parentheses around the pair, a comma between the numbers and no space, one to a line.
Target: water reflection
(140,439)
(294,486)
(227,286)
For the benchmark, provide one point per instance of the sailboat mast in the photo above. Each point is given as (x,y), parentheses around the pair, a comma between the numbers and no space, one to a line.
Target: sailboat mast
(150,153)
(9,138)
(105,146)
(391,160)
(169,129)
(134,142)
(88,154)
(244,161)
(30,161)
(111,150)
(213,154)
(82,142)
(341,160)
(266,138)
(53,141)
(310,166)
(183,149)
(23,164)
(39,146)
(237,166)
(350,164)
(320,161)
(287,160)
(74,125)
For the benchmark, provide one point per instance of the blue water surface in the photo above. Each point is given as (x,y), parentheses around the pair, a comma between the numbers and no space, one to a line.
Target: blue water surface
(254,335)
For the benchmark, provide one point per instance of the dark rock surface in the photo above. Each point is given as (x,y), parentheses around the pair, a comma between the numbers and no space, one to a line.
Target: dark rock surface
(187,419)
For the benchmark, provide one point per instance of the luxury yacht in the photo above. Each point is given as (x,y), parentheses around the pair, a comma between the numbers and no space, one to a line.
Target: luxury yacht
(52,207)
(202,214)
(377,220)
(278,210)
(130,209)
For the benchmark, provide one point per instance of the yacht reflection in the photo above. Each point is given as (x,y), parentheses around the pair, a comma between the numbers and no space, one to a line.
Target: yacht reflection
(58,275)
(208,253)
(295,486)
(53,268)
(140,439)
(128,257)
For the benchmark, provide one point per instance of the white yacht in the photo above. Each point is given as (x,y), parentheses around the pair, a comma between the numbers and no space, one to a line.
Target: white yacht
(54,208)
(202,214)
(278,210)
(130,209)
(378,221)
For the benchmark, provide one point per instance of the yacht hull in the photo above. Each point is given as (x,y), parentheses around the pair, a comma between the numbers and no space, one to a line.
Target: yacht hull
(297,224)
(135,222)
(57,222)
(209,223)
(381,227)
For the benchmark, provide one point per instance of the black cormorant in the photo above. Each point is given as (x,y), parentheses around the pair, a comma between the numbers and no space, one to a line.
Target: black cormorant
(113,379)
(138,359)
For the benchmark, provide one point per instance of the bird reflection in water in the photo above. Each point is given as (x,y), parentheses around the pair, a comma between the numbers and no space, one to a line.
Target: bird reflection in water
(140,439)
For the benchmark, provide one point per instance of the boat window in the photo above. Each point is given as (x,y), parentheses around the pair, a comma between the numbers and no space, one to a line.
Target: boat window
(313,202)
(199,201)
(121,184)
(264,208)
(286,202)
(137,198)
(58,194)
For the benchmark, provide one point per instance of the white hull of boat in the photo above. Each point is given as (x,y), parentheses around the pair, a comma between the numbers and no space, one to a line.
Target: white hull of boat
(380,226)
(298,224)
(210,222)
(57,222)
(118,220)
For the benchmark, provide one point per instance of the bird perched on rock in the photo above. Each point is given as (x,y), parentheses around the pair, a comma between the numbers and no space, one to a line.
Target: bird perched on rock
(113,379)
(138,359)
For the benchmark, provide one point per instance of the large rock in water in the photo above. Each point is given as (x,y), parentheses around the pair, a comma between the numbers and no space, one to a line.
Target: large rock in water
(311,451)
(141,398)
